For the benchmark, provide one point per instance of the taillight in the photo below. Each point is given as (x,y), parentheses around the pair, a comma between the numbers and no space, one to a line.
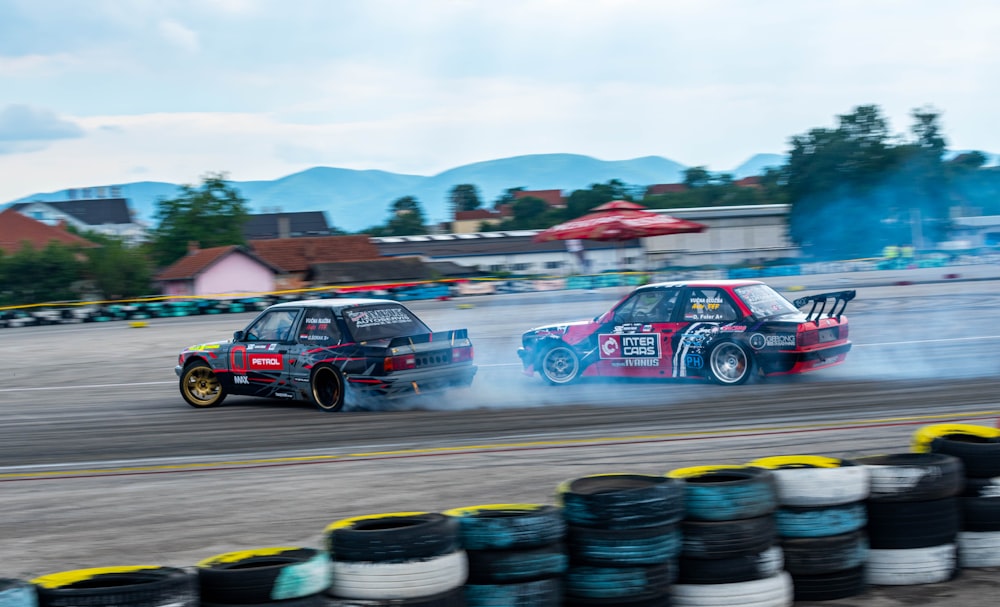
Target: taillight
(844,331)
(180,359)
(808,338)
(461,355)
(400,363)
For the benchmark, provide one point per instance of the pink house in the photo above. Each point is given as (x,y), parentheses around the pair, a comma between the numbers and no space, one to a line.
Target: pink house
(218,271)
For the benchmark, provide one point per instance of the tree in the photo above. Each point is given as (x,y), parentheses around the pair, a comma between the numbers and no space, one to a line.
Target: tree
(211,215)
(697,177)
(118,271)
(464,197)
(581,202)
(406,217)
(33,276)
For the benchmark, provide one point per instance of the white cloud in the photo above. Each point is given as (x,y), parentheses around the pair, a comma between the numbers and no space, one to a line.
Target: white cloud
(180,36)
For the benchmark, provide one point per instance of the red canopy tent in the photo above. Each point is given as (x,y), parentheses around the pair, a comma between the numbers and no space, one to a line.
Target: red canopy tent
(618,220)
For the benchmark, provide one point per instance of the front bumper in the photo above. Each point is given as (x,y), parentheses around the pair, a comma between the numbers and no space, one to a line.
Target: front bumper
(178,370)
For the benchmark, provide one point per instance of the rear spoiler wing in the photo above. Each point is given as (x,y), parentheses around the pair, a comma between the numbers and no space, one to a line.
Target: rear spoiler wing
(443,337)
(819,302)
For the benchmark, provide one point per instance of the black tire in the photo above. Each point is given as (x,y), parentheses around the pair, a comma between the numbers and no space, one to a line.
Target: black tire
(981,456)
(200,387)
(610,547)
(326,388)
(820,521)
(17,593)
(653,600)
(451,598)
(728,539)
(508,526)
(744,568)
(545,592)
(809,556)
(262,575)
(559,365)
(395,537)
(619,582)
(729,363)
(316,600)
(138,586)
(723,493)
(982,487)
(622,501)
(905,525)
(980,513)
(913,477)
(516,566)
(829,586)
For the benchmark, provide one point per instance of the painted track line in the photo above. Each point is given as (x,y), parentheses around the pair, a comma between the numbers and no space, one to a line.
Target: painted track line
(568,443)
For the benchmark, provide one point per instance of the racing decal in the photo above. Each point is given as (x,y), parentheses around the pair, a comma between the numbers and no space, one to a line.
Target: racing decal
(631,327)
(265,362)
(705,308)
(261,346)
(619,345)
(241,379)
(238,359)
(369,318)
(759,341)
(733,328)
(204,347)
(690,347)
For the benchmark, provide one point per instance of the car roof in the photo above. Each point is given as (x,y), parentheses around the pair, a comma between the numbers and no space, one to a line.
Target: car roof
(335,304)
(727,282)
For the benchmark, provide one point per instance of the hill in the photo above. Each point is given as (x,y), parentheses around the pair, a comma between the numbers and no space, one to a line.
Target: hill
(356,199)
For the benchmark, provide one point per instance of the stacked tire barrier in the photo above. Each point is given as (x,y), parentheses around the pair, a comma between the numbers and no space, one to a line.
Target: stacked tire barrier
(623,538)
(913,518)
(729,554)
(516,554)
(978,447)
(399,558)
(821,519)
(777,530)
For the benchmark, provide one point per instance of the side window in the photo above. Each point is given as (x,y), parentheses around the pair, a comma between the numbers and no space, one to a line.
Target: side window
(709,304)
(319,328)
(274,325)
(648,306)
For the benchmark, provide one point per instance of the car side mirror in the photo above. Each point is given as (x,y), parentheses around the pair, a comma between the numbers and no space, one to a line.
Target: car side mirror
(238,336)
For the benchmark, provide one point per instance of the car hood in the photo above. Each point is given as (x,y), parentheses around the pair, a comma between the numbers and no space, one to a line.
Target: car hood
(558,328)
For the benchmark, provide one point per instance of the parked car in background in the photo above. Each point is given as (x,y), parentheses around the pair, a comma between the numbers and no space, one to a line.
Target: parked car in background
(318,350)
(727,331)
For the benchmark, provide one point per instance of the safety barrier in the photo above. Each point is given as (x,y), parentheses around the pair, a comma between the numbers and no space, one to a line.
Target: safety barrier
(778,529)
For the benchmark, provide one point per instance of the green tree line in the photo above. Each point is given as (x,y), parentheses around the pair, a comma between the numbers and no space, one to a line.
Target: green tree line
(852,190)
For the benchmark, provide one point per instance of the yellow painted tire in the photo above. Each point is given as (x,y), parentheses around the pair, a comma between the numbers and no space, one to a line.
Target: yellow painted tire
(925,435)
(816,481)
(263,575)
(509,526)
(392,537)
(133,585)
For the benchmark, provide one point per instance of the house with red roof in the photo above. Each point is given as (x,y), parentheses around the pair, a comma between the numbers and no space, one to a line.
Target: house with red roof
(17,231)
(223,270)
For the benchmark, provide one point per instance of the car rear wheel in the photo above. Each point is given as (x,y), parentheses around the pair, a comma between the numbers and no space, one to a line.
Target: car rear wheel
(559,365)
(729,363)
(200,387)
(327,388)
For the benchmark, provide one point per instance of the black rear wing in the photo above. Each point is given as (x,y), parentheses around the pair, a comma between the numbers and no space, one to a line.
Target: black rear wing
(442,337)
(819,302)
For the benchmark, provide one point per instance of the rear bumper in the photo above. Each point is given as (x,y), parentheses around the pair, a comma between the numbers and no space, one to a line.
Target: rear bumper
(418,381)
(790,363)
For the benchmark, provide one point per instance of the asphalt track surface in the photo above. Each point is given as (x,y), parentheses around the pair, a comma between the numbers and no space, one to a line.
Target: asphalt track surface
(102,463)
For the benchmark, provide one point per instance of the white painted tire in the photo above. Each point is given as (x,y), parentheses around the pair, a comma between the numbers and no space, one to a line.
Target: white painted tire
(979,549)
(774,591)
(911,566)
(407,580)
(811,481)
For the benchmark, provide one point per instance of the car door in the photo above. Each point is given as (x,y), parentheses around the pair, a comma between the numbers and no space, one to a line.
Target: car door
(703,313)
(635,339)
(259,361)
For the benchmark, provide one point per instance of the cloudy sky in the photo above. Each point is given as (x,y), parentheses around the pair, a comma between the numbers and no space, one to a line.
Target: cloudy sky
(103,92)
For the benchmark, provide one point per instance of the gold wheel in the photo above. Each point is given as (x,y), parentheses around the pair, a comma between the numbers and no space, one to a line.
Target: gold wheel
(200,387)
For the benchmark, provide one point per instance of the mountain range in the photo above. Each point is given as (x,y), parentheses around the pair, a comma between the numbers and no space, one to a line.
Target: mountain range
(356,199)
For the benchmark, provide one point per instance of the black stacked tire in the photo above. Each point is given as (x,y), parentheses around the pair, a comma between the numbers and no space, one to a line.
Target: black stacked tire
(729,552)
(979,449)
(136,586)
(17,593)
(396,557)
(623,538)
(289,576)
(516,554)
(913,518)
(820,519)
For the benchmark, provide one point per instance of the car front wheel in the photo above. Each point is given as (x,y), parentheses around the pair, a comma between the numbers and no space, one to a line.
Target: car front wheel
(327,389)
(200,387)
(559,365)
(729,364)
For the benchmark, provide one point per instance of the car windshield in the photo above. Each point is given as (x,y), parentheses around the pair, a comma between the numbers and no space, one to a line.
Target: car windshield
(382,321)
(764,301)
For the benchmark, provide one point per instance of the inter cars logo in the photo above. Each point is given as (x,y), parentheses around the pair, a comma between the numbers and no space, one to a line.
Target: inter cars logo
(618,345)
(265,362)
